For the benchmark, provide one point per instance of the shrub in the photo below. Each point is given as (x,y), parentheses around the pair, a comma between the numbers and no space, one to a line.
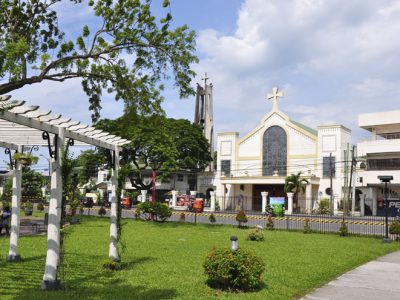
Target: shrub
(241,217)
(146,208)
(237,271)
(212,218)
(110,265)
(161,211)
(307,228)
(102,211)
(6,205)
(343,230)
(268,210)
(395,228)
(138,212)
(270,223)
(40,206)
(73,207)
(217,207)
(81,209)
(256,235)
(182,217)
(323,207)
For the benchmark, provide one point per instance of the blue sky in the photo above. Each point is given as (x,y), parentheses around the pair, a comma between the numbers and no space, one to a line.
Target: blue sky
(333,59)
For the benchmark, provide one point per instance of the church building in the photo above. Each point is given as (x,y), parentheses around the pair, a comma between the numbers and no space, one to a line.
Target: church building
(279,146)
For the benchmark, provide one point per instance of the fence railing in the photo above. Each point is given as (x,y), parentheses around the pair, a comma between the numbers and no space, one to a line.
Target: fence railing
(359,226)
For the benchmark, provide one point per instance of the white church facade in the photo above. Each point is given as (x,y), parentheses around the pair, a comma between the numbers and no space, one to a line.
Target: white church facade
(260,161)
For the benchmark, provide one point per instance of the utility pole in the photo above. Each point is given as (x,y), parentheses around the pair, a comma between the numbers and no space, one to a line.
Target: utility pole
(352,168)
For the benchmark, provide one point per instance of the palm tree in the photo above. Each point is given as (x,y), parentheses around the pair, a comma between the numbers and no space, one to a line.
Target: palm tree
(295,184)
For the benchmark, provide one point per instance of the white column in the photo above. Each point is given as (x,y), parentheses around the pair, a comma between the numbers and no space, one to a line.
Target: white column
(16,203)
(264,196)
(113,249)
(174,195)
(50,281)
(144,193)
(193,193)
(212,200)
(308,198)
(290,203)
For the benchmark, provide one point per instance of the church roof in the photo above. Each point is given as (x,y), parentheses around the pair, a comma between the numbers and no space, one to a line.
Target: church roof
(306,128)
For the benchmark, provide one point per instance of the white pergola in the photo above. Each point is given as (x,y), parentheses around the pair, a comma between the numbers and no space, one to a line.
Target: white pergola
(25,125)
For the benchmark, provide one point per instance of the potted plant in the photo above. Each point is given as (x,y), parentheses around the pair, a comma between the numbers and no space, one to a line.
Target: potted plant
(28,208)
(25,159)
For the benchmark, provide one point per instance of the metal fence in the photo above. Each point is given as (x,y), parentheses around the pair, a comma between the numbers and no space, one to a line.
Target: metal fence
(359,226)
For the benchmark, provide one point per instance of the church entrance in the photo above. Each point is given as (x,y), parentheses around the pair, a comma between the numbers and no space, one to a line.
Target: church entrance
(274,190)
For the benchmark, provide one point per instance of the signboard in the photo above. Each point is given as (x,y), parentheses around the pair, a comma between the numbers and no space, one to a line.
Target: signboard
(278,205)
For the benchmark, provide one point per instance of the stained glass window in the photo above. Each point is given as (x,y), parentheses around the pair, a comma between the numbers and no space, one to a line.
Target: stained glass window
(274,151)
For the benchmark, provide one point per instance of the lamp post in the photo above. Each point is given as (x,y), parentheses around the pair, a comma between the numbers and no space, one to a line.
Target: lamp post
(153,165)
(385,179)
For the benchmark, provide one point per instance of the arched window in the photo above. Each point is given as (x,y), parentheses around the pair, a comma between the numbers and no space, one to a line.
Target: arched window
(274,151)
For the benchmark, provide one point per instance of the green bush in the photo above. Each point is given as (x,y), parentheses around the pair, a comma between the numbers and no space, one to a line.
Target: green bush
(394,228)
(256,235)
(102,211)
(212,218)
(146,208)
(217,207)
(241,218)
(307,228)
(270,223)
(161,211)
(6,205)
(323,207)
(236,271)
(40,206)
(343,230)
(138,212)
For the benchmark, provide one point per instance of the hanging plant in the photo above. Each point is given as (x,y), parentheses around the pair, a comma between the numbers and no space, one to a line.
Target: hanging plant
(26,159)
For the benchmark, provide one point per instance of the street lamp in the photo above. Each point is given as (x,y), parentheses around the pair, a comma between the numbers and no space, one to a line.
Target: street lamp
(153,166)
(385,179)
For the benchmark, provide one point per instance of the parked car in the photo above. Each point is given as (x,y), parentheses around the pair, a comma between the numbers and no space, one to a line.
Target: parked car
(87,201)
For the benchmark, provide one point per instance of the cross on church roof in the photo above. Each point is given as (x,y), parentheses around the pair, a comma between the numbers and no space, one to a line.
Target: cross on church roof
(274,96)
(205,80)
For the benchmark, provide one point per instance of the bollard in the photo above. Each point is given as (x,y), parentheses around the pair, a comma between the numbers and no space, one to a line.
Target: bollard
(234,243)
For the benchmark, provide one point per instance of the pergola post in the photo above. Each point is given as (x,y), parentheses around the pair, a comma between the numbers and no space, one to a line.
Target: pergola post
(113,249)
(50,281)
(16,204)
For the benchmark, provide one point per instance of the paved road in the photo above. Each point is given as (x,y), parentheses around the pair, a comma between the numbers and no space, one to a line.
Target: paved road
(379,279)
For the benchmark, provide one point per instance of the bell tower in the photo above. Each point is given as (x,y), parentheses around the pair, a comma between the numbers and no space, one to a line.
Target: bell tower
(204,113)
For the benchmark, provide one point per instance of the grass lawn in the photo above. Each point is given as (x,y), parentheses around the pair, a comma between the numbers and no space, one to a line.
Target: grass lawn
(164,261)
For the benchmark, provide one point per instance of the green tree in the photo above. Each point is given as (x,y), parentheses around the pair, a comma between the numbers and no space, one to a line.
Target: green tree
(172,144)
(32,182)
(128,52)
(295,184)
(87,164)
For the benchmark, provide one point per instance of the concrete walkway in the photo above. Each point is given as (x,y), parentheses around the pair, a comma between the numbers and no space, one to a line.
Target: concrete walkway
(378,279)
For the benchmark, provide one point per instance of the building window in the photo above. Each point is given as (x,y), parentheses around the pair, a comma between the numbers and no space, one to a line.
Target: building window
(326,170)
(226,167)
(180,177)
(274,151)
(104,177)
(383,164)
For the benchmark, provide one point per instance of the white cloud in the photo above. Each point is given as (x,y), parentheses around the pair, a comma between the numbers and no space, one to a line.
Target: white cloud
(333,59)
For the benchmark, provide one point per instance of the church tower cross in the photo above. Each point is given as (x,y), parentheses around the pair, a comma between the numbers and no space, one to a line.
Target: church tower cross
(274,96)
(205,80)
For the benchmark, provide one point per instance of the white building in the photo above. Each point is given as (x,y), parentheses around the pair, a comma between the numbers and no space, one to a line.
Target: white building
(277,147)
(381,155)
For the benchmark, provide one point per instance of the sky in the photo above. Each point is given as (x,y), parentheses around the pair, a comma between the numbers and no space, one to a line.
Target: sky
(333,59)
